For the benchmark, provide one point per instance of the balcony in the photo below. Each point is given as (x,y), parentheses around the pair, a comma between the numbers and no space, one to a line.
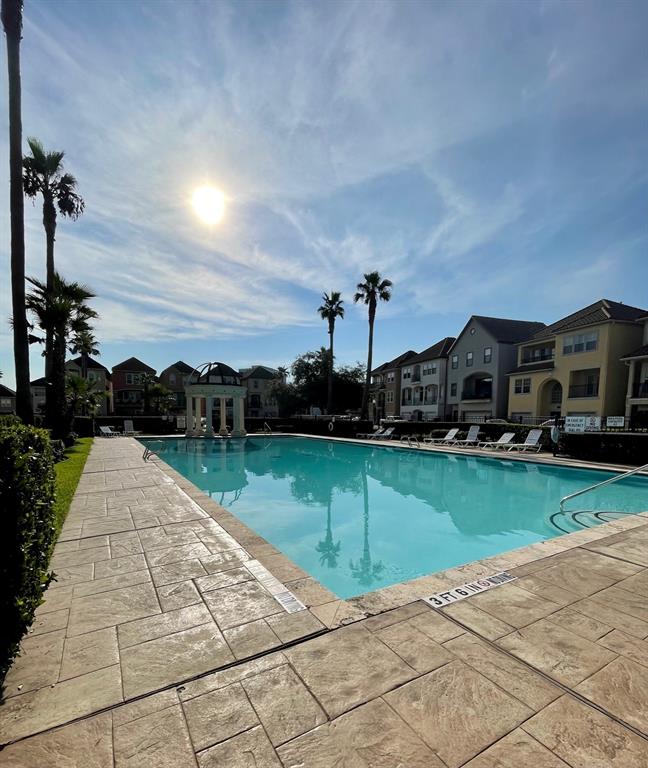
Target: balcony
(584,390)
(471,394)
(640,389)
(549,355)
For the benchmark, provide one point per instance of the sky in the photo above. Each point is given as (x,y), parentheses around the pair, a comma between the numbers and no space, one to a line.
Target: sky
(488,158)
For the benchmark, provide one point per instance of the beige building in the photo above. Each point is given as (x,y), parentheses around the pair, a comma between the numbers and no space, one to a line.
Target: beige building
(636,410)
(574,367)
(259,381)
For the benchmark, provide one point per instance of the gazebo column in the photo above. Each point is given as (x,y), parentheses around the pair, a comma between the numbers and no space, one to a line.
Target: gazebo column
(189,416)
(223,417)
(209,431)
(198,415)
(239,418)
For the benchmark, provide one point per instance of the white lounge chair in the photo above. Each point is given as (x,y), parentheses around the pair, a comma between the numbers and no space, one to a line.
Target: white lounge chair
(370,435)
(386,435)
(108,432)
(448,439)
(128,428)
(504,441)
(532,442)
(472,438)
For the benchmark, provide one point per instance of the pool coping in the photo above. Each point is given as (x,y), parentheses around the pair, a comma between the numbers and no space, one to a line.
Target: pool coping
(340,611)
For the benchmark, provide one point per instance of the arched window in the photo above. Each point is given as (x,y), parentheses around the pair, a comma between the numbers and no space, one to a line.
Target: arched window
(407,396)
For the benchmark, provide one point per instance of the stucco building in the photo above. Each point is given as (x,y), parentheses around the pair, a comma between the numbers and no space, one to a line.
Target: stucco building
(423,383)
(385,393)
(128,386)
(259,381)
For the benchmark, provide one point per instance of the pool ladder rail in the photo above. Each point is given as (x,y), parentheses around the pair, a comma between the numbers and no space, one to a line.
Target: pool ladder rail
(411,440)
(609,481)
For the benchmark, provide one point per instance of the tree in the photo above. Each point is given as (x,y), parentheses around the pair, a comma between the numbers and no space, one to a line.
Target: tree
(64,314)
(330,310)
(43,175)
(84,344)
(374,289)
(12,22)
(82,397)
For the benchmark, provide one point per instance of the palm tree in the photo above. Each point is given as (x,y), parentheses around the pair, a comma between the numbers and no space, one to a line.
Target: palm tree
(328,549)
(43,175)
(330,310)
(373,289)
(12,22)
(85,344)
(82,397)
(64,314)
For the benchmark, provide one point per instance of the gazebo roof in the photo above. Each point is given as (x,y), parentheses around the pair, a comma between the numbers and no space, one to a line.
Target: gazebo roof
(214,373)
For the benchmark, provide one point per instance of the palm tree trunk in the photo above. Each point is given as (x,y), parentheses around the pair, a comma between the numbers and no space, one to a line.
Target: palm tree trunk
(365,394)
(49,224)
(12,21)
(55,404)
(329,397)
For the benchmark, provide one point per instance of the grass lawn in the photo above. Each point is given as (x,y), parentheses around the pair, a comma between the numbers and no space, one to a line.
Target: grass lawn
(68,473)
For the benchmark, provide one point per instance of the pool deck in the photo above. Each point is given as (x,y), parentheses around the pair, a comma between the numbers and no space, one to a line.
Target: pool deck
(168,640)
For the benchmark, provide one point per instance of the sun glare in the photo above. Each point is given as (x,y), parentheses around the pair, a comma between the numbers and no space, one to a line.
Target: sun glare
(209,204)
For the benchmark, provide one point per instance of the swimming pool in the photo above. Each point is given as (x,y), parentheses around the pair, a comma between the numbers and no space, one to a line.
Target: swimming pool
(359,517)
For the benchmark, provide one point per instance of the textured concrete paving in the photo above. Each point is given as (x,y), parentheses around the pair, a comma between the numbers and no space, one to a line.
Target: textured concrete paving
(549,671)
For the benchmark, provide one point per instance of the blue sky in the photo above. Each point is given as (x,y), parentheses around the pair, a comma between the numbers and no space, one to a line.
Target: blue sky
(490,158)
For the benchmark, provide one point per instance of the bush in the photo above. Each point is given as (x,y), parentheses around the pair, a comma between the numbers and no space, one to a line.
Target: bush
(26,530)
(607,447)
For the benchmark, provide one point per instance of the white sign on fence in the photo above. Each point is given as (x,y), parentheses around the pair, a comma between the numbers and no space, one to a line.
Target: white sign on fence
(181,421)
(615,421)
(582,423)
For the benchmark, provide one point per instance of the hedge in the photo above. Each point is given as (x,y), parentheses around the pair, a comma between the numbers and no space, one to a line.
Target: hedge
(608,447)
(26,530)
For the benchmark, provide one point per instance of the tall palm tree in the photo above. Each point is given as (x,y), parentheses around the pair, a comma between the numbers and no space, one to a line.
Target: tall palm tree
(12,22)
(330,310)
(373,290)
(86,345)
(43,175)
(64,314)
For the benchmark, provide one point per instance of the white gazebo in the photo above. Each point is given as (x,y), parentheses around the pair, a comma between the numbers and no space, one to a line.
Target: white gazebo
(210,381)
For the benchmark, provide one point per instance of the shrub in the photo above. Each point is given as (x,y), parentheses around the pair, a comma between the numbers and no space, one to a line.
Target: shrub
(26,530)
(608,447)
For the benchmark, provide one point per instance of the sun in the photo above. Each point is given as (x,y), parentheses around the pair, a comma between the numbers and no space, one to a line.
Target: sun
(209,204)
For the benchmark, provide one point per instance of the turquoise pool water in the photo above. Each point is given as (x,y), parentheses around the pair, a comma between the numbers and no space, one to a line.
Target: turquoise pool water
(359,518)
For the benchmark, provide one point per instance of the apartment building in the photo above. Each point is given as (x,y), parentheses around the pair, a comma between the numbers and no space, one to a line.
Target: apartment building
(174,378)
(128,386)
(98,375)
(423,383)
(480,359)
(38,395)
(576,366)
(385,392)
(7,400)
(259,380)
(636,409)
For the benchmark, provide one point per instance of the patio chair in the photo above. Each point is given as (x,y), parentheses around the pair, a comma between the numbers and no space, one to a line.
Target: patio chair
(386,435)
(128,428)
(532,442)
(370,435)
(504,440)
(472,438)
(108,432)
(448,439)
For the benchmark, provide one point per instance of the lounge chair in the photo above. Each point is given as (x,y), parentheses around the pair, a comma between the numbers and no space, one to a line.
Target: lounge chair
(504,441)
(108,432)
(370,435)
(128,428)
(449,438)
(386,435)
(472,438)
(532,442)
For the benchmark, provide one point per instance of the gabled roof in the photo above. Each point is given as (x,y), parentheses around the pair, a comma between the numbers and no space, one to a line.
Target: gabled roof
(42,382)
(133,364)
(641,352)
(440,349)
(90,363)
(178,366)
(602,311)
(259,372)
(507,331)
(542,365)
(396,362)
(6,392)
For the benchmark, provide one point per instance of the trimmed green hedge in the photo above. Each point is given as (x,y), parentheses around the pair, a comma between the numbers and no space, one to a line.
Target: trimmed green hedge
(26,530)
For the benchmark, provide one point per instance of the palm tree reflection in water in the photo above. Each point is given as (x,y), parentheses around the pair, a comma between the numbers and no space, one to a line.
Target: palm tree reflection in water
(328,549)
(364,570)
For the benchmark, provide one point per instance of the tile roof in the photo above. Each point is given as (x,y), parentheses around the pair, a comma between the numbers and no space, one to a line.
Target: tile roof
(179,366)
(405,357)
(508,331)
(641,352)
(602,311)
(440,349)
(543,365)
(133,364)
(42,382)
(78,361)
(6,392)
(259,372)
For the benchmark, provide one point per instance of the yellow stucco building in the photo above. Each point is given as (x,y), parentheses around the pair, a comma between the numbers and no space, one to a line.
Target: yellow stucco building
(574,367)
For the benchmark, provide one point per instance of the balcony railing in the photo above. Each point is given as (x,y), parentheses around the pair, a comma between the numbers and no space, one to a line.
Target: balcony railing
(538,358)
(470,394)
(584,390)
(640,389)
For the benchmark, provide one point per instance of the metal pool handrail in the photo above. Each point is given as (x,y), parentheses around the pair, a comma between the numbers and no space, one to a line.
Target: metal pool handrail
(601,484)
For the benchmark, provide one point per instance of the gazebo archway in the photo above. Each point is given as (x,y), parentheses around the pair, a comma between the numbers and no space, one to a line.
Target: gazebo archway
(208,382)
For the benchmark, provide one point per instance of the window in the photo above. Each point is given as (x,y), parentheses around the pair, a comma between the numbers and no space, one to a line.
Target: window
(92,376)
(407,396)
(429,369)
(172,378)
(407,373)
(455,361)
(133,378)
(469,359)
(522,386)
(488,354)
(431,394)
(390,396)
(580,342)
(453,390)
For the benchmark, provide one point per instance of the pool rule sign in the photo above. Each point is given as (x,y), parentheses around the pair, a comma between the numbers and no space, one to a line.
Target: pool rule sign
(467,590)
